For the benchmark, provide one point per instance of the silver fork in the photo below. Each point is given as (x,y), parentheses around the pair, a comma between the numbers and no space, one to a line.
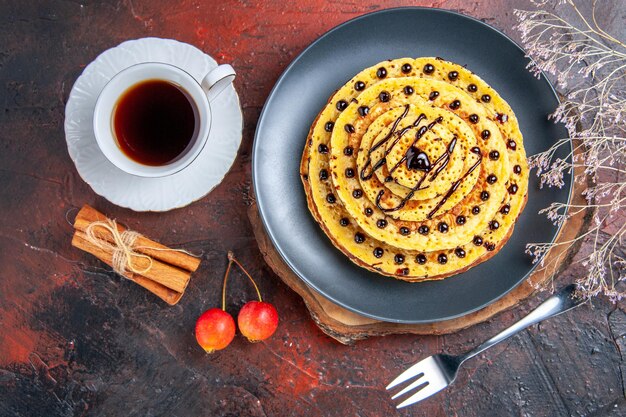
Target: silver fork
(438,371)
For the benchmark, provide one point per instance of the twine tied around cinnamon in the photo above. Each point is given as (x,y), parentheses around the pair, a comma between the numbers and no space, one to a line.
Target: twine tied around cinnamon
(123,248)
(163,271)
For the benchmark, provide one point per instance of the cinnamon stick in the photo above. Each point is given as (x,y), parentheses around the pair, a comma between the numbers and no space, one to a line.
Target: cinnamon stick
(88,215)
(171,297)
(167,275)
(168,295)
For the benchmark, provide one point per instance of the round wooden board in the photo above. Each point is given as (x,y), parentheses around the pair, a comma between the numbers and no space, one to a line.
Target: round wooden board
(348,327)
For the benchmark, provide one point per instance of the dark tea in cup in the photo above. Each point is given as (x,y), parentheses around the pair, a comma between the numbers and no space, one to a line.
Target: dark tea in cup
(154,122)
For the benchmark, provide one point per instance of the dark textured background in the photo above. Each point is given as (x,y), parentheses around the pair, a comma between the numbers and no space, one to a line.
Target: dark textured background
(75,339)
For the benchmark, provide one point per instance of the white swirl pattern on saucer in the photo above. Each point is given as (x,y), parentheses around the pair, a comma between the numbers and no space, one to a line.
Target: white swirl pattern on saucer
(150,194)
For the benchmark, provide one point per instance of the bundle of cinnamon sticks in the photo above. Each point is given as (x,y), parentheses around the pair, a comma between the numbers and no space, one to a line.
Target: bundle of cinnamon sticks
(165,272)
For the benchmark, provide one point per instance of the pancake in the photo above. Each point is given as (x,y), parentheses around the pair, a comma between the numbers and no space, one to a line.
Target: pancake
(416,169)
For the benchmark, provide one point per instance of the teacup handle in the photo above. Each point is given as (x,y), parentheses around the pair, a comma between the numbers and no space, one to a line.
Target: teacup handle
(217,80)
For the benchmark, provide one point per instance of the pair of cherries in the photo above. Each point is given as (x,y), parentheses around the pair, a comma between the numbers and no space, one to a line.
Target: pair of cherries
(257,320)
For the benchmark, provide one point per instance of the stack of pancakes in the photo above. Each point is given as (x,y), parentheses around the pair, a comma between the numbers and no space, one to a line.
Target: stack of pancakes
(416,169)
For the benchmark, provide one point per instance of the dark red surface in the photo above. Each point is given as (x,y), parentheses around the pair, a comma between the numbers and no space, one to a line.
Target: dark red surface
(75,339)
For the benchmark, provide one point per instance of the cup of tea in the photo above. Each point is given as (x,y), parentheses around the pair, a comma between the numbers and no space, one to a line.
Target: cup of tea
(153,119)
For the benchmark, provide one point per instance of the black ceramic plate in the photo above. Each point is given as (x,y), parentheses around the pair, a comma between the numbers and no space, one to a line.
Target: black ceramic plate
(303,90)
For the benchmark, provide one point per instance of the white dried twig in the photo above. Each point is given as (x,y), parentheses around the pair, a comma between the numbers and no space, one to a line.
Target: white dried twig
(590,68)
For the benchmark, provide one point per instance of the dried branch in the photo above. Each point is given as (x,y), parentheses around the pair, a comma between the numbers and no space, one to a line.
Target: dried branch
(590,68)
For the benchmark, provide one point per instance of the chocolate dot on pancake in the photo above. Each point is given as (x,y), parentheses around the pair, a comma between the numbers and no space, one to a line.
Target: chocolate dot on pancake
(342,105)
(511,144)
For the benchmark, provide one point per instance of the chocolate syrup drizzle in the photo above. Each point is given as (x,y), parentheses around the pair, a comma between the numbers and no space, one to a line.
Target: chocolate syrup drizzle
(381,161)
(442,159)
(404,200)
(445,157)
(418,135)
(456,184)
(415,124)
(440,163)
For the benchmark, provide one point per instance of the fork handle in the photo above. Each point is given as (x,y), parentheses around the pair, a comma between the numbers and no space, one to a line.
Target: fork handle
(564,300)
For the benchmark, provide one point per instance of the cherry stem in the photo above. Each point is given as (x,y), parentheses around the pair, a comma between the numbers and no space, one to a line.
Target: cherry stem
(230,263)
(231,258)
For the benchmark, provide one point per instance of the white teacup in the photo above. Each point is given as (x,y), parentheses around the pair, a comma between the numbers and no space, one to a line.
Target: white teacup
(200,94)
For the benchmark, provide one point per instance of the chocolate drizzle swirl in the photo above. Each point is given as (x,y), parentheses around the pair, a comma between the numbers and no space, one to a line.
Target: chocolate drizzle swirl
(456,184)
(368,164)
(418,135)
(443,158)
(415,124)
(404,200)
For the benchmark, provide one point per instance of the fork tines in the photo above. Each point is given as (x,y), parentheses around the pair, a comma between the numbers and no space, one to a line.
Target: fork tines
(428,380)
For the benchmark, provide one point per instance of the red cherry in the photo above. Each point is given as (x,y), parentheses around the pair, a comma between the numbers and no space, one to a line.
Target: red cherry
(257,320)
(215,329)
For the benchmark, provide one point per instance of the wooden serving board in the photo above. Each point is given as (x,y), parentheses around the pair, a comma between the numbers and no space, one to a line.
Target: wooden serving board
(348,327)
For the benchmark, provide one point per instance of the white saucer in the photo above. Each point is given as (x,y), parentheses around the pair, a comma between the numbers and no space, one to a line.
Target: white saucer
(150,194)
